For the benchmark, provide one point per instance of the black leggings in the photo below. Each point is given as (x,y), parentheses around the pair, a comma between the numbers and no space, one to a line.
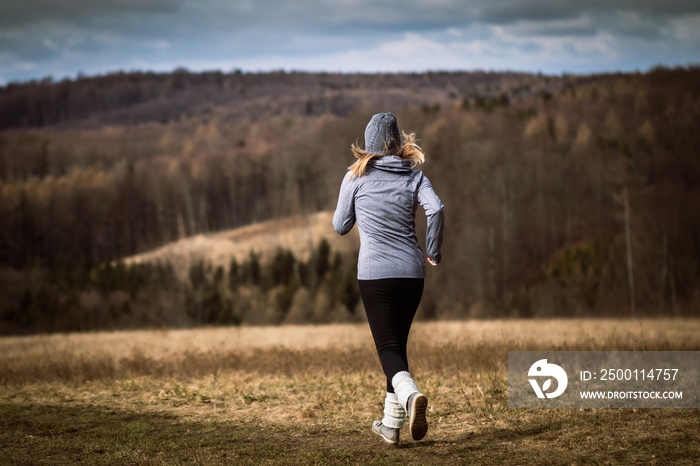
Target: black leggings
(391,305)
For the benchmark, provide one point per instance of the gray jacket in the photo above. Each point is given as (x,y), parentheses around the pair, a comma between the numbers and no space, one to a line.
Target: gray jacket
(383,202)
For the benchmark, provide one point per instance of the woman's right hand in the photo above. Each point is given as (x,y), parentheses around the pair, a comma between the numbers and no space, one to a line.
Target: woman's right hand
(431,261)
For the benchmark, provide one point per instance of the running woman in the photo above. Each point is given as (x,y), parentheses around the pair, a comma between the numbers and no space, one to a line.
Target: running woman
(380,193)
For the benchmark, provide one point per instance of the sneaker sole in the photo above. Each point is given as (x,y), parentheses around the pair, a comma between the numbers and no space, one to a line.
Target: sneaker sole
(387,440)
(419,424)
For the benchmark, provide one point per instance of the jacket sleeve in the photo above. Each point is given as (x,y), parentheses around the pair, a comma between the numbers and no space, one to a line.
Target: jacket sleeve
(344,217)
(435,213)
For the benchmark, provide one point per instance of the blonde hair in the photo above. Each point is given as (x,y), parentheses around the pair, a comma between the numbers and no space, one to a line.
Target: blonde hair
(409,150)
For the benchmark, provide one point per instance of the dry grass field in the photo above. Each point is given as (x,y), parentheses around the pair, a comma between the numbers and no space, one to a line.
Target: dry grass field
(307,394)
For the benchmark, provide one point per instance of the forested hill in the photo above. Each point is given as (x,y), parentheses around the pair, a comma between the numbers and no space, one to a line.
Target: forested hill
(564,195)
(130,98)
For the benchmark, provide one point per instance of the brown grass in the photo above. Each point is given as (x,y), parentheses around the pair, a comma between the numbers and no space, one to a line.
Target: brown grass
(435,347)
(315,389)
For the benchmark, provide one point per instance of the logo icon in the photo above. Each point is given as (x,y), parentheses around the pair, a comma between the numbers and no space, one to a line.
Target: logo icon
(542,368)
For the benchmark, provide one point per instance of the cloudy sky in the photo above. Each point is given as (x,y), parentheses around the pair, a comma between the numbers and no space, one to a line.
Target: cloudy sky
(61,38)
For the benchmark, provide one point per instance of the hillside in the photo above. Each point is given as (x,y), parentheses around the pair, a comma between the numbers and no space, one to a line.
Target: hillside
(137,98)
(300,235)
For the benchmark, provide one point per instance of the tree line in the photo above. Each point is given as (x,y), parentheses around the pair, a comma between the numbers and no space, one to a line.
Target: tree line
(81,297)
(564,196)
(137,97)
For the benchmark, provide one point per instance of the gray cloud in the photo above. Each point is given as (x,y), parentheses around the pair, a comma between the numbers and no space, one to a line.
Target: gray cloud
(355,15)
(505,12)
(17,14)
(40,37)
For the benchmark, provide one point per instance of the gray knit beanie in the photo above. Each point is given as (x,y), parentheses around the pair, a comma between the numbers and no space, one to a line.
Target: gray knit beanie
(382,135)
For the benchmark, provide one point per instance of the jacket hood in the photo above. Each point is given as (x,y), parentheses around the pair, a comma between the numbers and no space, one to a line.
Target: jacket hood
(392,163)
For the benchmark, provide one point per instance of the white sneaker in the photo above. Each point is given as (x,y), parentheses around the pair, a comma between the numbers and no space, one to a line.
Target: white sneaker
(388,434)
(416,407)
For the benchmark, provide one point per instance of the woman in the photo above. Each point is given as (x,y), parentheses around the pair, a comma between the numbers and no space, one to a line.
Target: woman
(381,192)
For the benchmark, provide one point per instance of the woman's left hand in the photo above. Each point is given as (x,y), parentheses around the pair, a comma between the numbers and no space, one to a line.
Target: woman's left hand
(431,261)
